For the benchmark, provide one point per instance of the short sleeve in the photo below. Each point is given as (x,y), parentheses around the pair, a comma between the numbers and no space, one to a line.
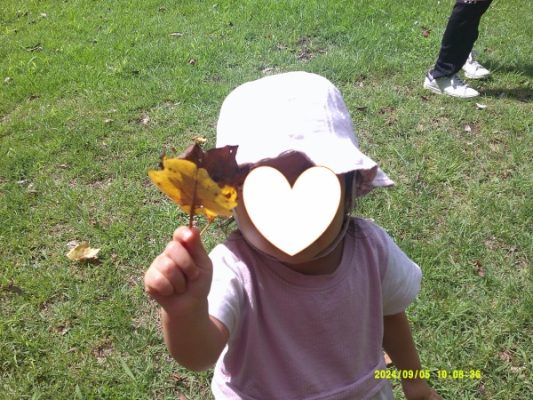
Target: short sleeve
(401,282)
(225,297)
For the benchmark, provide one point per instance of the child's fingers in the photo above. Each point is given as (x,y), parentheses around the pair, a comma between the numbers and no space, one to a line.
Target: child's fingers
(190,239)
(183,260)
(156,279)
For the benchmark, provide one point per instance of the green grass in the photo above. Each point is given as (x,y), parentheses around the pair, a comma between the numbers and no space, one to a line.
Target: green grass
(92,91)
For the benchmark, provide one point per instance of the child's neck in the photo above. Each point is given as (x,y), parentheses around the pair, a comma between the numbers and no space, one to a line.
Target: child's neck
(320,266)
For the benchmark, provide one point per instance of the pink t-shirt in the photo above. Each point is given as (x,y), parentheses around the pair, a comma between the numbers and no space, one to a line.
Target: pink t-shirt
(296,336)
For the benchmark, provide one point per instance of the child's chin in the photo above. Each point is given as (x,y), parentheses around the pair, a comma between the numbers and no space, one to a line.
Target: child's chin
(296,259)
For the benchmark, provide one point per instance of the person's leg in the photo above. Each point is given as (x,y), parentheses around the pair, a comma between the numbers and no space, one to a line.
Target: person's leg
(459,37)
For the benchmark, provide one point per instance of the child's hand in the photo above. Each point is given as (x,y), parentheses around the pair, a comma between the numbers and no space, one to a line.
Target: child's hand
(180,277)
(417,389)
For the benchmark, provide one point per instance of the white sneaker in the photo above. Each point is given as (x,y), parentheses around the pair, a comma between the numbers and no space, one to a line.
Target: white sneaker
(473,69)
(450,85)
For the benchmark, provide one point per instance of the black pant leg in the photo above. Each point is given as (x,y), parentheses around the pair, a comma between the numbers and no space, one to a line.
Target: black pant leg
(459,36)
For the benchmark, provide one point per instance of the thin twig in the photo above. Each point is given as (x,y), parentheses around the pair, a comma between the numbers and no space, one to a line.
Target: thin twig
(191,212)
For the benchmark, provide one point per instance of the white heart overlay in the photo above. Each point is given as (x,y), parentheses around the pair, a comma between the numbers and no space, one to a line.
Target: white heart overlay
(291,218)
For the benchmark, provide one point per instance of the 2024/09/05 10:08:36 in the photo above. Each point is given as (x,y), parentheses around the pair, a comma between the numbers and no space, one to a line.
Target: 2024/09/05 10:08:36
(393,374)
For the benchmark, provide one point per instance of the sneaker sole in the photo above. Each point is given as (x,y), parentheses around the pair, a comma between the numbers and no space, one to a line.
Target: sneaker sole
(462,97)
(438,91)
(433,89)
(477,76)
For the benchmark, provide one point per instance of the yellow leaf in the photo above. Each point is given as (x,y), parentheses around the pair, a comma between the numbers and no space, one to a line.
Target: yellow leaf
(83,252)
(190,186)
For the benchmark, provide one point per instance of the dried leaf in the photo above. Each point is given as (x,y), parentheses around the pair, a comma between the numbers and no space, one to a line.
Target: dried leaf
(82,252)
(144,120)
(200,140)
(219,162)
(505,356)
(200,183)
(103,351)
(478,268)
(12,288)
(36,47)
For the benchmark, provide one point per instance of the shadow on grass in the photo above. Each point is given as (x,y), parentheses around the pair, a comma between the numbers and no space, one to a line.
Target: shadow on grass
(521,94)
(495,67)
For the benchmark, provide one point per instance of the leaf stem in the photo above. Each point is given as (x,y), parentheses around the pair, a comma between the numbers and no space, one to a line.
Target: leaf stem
(193,203)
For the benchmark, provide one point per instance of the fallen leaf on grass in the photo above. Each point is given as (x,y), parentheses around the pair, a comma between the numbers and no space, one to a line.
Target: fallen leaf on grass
(478,268)
(200,183)
(82,252)
(36,47)
(505,356)
(11,288)
(103,351)
(144,120)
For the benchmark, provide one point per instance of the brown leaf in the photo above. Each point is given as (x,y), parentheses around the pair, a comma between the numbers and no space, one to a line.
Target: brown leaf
(11,288)
(200,183)
(478,268)
(103,351)
(177,377)
(219,162)
(144,120)
(505,356)
(82,252)
(37,47)
(200,140)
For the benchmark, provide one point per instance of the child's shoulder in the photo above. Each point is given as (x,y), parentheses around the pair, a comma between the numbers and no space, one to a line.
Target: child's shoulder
(232,250)
(367,229)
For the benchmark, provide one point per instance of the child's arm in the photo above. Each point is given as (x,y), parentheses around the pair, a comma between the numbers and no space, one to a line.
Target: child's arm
(399,344)
(179,279)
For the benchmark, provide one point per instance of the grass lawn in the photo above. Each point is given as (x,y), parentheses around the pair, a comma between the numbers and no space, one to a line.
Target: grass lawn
(92,91)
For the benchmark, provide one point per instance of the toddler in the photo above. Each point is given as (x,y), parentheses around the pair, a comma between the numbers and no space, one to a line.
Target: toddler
(291,327)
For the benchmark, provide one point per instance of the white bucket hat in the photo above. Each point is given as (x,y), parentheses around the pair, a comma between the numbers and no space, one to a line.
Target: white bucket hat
(295,111)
